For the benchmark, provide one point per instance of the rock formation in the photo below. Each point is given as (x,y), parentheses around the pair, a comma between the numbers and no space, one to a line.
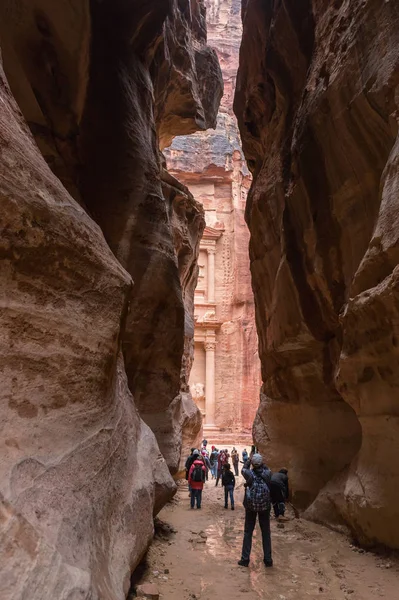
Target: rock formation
(317,103)
(212,166)
(98,270)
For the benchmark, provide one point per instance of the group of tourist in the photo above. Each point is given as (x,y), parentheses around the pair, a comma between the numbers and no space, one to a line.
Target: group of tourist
(263,489)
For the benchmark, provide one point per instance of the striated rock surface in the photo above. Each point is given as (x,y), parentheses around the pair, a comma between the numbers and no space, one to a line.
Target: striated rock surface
(317,103)
(84,206)
(211,165)
(123,158)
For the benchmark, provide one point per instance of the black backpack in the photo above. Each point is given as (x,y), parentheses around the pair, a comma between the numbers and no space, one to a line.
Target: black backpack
(229,478)
(198,474)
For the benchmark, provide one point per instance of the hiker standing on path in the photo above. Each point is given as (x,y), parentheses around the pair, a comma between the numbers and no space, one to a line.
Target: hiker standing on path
(207,463)
(213,459)
(244,456)
(256,503)
(228,482)
(196,479)
(222,460)
(280,492)
(235,459)
(254,450)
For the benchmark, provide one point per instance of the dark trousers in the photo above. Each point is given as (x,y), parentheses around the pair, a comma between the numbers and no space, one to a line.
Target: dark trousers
(278,500)
(279,509)
(228,491)
(235,465)
(196,495)
(264,522)
(219,474)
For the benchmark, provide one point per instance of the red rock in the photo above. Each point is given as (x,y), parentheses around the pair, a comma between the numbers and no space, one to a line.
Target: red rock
(316,101)
(91,266)
(211,165)
(147,590)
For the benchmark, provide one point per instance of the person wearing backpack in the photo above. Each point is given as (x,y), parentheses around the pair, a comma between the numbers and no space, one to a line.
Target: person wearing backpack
(228,482)
(196,479)
(257,503)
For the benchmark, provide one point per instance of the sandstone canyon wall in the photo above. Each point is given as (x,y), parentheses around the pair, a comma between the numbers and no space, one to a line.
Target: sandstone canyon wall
(317,103)
(98,268)
(212,166)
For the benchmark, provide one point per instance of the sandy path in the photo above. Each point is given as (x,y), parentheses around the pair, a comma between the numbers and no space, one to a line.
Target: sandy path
(310,561)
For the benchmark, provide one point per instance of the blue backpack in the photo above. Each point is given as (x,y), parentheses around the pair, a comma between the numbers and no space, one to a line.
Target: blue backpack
(257,496)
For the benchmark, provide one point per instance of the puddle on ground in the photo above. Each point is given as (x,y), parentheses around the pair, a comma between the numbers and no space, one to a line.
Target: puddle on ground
(224,536)
(224,542)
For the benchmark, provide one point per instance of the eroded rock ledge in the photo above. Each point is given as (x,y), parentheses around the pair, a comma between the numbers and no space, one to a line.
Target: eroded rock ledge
(317,102)
(98,269)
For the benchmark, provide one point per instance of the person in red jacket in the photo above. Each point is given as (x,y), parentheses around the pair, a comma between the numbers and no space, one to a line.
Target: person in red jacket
(196,478)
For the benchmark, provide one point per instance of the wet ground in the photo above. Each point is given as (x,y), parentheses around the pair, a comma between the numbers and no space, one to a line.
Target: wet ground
(195,557)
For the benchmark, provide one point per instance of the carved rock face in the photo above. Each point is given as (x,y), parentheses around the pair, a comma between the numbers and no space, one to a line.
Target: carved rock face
(81,474)
(212,165)
(317,105)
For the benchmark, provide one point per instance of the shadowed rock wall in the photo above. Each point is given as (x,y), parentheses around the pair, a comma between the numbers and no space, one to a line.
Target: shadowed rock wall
(317,104)
(85,205)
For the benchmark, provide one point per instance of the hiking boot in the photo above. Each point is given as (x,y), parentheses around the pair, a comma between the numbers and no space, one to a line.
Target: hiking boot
(243,563)
(268,563)
(232,508)
(225,506)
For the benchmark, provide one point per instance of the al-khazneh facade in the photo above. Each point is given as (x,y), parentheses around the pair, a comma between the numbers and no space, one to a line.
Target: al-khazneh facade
(225,376)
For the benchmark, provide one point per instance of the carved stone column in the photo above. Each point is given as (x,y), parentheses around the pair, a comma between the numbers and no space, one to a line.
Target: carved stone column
(211,274)
(210,400)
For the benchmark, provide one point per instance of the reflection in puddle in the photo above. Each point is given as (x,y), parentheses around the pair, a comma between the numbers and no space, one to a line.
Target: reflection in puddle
(224,541)
(224,536)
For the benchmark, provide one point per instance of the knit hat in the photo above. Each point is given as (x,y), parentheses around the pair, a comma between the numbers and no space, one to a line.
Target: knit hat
(257,460)
(196,452)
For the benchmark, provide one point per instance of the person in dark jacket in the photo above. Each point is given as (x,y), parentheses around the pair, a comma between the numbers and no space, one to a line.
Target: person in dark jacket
(279,491)
(222,460)
(214,461)
(254,450)
(189,461)
(207,464)
(259,476)
(228,482)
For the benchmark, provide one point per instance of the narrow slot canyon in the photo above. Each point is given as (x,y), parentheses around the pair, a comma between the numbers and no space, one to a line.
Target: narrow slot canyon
(199,217)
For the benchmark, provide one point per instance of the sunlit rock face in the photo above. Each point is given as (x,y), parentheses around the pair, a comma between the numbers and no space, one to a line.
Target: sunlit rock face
(212,166)
(317,104)
(98,268)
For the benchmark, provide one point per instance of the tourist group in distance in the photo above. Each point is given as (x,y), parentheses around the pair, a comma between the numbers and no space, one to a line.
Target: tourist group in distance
(262,490)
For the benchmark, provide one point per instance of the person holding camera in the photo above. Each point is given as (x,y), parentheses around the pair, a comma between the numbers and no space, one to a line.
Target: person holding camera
(257,504)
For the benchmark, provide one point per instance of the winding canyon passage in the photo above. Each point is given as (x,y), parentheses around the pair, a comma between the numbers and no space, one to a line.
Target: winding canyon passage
(99,266)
